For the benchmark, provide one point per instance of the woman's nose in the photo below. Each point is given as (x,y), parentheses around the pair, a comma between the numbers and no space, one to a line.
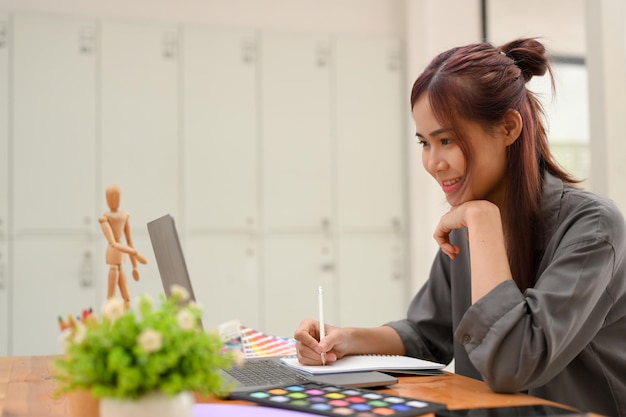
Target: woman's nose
(435,162)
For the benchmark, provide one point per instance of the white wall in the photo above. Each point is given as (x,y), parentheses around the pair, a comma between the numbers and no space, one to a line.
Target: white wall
(362,17)
(559,23)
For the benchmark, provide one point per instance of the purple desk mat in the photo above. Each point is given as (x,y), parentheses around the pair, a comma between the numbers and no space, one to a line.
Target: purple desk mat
(238,410)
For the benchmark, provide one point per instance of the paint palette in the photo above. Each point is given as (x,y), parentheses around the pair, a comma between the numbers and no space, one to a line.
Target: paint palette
(337,400)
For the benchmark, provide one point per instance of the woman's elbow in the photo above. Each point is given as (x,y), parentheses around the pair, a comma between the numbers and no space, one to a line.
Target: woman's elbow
(504,384)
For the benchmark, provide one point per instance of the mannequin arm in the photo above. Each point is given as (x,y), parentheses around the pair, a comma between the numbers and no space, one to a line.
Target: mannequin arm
(108,234)
(135,256)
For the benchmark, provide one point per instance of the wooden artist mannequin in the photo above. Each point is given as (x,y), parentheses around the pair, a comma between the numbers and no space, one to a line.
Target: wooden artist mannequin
(115,224)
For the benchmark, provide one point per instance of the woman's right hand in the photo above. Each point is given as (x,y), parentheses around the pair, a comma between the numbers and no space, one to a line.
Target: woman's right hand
(309,348)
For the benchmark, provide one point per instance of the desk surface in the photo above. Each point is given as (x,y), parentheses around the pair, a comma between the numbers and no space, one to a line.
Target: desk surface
(26,385)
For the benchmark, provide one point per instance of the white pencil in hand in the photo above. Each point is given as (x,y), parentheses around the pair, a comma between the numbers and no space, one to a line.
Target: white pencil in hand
(320,302)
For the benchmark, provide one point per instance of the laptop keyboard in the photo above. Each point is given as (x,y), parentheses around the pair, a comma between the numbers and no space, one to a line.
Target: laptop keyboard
(264,372)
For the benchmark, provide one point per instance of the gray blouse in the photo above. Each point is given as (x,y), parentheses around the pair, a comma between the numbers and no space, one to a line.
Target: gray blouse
(565,338)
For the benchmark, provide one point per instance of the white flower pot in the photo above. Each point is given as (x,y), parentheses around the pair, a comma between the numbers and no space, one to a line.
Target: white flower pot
(152,405)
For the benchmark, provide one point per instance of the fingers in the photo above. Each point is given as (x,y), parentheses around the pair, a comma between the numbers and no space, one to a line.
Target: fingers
(448,222)
(307,345)
(309,349)
(449,249)
(442,237)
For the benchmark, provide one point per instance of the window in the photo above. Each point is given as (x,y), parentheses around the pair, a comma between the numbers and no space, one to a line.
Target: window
(567,114)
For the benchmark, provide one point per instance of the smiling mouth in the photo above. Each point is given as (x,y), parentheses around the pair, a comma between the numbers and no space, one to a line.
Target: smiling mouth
(448,183)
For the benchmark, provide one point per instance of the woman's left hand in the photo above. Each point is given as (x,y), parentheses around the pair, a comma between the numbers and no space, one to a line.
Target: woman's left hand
(488,258)
(460,217)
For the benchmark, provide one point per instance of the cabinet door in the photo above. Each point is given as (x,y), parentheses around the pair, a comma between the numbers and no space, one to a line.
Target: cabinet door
(139,113)
(54,124)
(4,125)
(294,266)
(296,133)
(224,272)
(220,130)
(4,184)
(373,286)
(5,311)
(56,277)
(371,110)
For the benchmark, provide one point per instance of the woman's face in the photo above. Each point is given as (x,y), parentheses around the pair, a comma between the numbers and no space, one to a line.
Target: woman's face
(443,158)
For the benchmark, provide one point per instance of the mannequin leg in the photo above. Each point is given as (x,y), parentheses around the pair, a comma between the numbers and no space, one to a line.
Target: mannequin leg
(114,272)
(124,288)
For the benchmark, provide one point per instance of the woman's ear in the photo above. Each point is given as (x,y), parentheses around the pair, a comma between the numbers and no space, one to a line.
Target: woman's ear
(511,126)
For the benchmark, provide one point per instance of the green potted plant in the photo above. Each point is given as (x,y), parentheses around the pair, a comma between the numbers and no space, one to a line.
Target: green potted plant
(158,353)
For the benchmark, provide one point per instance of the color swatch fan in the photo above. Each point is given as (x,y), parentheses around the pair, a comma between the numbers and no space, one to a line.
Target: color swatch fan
(258,344)
(253,343)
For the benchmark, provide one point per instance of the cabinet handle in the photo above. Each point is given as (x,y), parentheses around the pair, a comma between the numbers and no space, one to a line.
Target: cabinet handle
(328,267)
(3,34)
(86,40)
(3,283)
(393,61)
(248,51)
(397,261)
(170,46)
(2,276)
(327,264)
(396,225)
(86,271)
(323,55)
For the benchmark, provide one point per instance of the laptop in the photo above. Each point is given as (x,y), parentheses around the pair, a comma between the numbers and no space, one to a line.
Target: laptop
(256,373)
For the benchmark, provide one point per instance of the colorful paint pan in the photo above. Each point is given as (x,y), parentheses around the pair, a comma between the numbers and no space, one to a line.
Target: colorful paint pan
(336,400)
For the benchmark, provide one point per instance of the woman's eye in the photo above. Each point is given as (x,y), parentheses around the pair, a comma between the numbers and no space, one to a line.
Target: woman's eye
(446,141)
(422,143)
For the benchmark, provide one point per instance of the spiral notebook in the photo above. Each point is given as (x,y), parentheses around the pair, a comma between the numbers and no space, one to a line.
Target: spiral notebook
(360,363)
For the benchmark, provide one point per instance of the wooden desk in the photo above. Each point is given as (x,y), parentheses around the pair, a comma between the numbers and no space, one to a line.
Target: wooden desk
(26,387)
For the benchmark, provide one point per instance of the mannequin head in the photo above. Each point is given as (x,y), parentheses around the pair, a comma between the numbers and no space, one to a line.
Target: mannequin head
(113,197)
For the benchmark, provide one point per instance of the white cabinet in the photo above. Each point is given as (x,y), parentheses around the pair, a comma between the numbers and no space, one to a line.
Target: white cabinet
(339,220)
(297,177)
(220,130)
(54,276)
(332,168)
(296,133)
(139,110)
(4,184)
(371,236)
(54,125)
(220,173)
(370,105)
(279,155)
(53,71)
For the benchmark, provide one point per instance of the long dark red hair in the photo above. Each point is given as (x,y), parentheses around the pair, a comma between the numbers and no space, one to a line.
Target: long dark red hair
(480,83)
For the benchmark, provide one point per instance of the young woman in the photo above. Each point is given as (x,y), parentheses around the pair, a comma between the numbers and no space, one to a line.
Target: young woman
(528,290)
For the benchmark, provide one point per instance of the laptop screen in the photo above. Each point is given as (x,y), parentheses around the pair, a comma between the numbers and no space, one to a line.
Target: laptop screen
(169,254)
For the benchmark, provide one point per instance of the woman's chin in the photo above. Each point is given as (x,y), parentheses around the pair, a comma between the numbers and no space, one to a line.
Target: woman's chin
(454,201)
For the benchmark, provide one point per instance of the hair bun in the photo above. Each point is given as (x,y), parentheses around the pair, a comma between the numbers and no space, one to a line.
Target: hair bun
(529,55)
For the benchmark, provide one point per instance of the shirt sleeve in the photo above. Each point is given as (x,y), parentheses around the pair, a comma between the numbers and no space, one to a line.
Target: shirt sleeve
(521,341)
(427,330)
